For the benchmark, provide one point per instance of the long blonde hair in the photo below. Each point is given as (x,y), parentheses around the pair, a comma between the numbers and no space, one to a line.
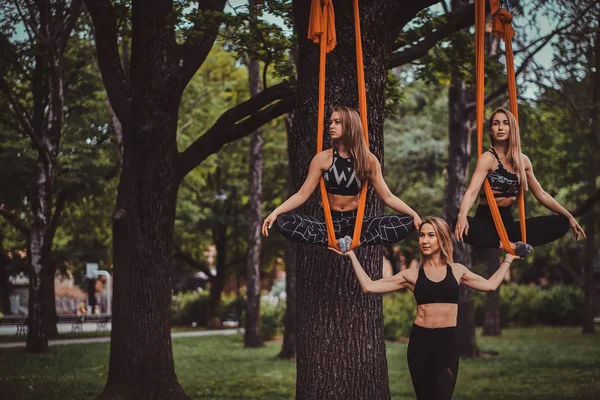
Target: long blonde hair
(442,232)
(354,141)
(514,145)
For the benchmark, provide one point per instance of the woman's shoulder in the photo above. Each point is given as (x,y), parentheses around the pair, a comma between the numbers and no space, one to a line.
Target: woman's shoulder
(458,267)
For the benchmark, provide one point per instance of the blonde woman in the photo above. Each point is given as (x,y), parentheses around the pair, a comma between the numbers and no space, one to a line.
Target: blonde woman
(432,350)
(344,168)
(508,171)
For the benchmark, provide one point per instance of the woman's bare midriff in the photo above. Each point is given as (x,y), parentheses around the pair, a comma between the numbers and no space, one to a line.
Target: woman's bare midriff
(501,201)
(436,315)
(342,203)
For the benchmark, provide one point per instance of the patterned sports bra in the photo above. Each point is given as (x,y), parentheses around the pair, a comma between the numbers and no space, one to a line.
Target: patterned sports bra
(502,180)
(340,178)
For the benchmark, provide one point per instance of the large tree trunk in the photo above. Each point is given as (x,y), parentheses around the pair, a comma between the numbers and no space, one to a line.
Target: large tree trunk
(288,349)
(252,329)
(491,320)
(341,352)
(141,356)
(40,240)
(591,218)
(458,161)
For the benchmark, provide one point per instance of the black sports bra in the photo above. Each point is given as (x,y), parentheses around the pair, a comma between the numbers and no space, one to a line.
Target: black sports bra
(340,178)
(444,291)
(502,180)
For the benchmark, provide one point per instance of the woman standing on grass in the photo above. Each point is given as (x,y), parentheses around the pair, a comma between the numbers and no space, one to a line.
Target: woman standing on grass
(432,350)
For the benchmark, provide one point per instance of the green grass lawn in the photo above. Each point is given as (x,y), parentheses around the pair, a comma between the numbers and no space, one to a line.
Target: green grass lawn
(532,363)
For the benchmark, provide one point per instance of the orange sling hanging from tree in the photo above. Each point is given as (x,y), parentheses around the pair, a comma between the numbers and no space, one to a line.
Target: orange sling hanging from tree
(502,28)
(321,29)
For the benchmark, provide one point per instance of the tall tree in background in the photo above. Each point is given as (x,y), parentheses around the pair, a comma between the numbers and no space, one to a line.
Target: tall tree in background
(576,90)
(48,27)
(459,153)
(252,332)
(288,348)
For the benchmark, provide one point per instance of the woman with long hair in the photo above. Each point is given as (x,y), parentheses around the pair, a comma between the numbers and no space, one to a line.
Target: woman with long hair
(344,168)
(508,171)
(432,350)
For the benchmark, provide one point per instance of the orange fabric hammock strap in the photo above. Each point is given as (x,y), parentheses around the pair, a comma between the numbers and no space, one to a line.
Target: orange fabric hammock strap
(321,29)
(502,27)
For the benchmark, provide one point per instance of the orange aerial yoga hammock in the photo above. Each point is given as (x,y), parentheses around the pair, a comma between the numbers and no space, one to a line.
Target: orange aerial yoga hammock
(321,29)
(502,28)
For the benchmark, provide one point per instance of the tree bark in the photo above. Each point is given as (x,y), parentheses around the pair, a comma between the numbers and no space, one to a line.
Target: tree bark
(141,357)
(591,218)
(491,320)
(4,295)
(459,152)
(49,126)
(49,302)
(341,352)
(252,329)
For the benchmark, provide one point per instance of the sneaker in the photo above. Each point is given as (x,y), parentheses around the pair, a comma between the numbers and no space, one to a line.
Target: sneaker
(522,249)
(345,243)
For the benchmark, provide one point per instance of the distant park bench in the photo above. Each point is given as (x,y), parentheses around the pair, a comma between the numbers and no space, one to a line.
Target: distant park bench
(76,321)
(19,320)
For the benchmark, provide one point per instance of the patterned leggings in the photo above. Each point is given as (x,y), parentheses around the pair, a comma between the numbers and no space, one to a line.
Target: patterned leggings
(540,230)
(375,230)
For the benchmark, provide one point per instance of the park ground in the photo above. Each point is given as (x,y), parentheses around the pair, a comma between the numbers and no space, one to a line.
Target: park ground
(524,363)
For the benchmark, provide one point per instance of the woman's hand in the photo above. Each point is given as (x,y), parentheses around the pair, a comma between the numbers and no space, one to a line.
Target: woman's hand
(417,221)
(347,254)
(577,229)
(462,228)
(509,258)
(269,221)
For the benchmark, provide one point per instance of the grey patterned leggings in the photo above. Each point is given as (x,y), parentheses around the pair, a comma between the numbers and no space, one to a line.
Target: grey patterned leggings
(375,230)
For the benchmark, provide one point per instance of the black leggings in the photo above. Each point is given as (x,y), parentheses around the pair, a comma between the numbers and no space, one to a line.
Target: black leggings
(540,230)
(375,230)
(433,362)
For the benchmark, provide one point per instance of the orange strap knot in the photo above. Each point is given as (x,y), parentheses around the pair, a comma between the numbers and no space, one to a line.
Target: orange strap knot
(322,21)
(502,23)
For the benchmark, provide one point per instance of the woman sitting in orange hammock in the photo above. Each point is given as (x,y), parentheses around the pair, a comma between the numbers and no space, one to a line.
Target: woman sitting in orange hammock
(504,165)
(344,167)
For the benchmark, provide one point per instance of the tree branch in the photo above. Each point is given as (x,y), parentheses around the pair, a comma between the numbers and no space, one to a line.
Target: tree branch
(68,25)
(238,122)
(544,41)
(587,204)
(179,254)
(457,20)
(196,48)
(115,80)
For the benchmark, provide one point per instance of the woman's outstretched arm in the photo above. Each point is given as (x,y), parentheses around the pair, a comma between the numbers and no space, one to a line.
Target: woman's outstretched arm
(297,199)
(384,285)
(478,282)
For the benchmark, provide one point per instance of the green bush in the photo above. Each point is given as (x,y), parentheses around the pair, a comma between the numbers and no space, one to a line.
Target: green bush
(526,305)
(189,307)
(399,312)
(272,314)
(563,305)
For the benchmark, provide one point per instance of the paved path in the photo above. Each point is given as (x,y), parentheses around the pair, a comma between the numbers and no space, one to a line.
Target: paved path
(104,339)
